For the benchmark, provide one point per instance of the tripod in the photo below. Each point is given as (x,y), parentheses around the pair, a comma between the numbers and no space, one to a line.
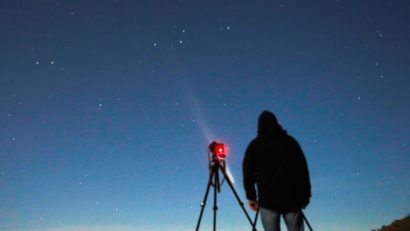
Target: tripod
(218,165)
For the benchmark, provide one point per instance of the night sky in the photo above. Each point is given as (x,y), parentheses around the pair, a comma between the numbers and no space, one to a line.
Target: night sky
(107,108)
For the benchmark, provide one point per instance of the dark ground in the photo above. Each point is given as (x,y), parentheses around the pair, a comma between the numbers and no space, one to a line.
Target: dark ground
(397,225)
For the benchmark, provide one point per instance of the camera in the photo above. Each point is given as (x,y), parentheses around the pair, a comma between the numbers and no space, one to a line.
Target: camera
(218,150)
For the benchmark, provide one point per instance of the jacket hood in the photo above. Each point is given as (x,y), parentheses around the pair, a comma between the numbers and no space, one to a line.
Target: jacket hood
(268,125)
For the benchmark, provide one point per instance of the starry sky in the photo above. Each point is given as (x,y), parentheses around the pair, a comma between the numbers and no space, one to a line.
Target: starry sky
(107,108)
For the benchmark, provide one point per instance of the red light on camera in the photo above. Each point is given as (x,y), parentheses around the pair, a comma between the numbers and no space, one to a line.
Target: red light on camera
(218,149)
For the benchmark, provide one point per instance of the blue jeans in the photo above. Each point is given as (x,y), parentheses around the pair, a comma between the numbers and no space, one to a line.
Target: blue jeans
(271,220)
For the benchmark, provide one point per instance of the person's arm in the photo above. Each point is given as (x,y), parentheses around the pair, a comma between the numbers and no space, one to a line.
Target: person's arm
(305,187)
(248,170)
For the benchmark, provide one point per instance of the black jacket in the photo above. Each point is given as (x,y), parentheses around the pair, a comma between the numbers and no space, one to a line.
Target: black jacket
(276,165)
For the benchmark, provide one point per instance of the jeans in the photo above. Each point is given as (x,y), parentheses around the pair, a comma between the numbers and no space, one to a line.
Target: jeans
(271,220)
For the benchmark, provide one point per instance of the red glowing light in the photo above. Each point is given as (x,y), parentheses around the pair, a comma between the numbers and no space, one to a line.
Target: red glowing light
(218,149)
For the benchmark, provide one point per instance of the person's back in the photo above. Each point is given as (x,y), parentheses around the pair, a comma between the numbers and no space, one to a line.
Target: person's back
(275,163)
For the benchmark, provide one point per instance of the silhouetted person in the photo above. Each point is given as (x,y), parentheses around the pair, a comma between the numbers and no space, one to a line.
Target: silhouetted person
(274,163)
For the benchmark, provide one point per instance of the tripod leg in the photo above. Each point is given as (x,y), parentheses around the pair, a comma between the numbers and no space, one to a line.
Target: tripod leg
(203,204)
(237,198)
(216,189)
(306,220)
(255,220)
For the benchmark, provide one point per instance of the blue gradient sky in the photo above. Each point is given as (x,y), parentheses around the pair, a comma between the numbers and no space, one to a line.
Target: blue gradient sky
(107,108)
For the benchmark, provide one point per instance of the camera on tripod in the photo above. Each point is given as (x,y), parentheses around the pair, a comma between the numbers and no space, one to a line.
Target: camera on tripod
(217,153)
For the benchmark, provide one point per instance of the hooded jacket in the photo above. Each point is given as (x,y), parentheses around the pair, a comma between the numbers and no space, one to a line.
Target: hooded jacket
(274,162)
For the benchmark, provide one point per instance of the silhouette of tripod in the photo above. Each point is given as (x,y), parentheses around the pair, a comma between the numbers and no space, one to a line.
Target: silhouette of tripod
(218,165)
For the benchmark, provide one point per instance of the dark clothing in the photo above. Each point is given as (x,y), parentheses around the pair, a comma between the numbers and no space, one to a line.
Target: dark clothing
(275,163)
